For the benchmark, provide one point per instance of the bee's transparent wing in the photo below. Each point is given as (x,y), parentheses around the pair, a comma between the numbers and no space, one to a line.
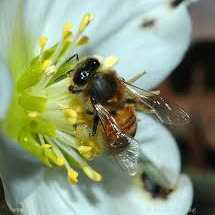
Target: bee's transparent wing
(128,157)
(168,113)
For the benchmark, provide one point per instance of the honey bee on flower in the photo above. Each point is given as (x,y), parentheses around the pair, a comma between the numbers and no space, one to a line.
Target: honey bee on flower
(114,101)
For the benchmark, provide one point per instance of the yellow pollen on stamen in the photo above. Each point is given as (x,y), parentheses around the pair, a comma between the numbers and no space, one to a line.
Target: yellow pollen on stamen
(60,161)
(83,41)
(46,64)
(67,29)
(71,115)
(72,176)
(68,39)
(51,69)
(46,146)
(25,139)
(86,151)
(78,109)
(87,18)
(85,148)
(43,41)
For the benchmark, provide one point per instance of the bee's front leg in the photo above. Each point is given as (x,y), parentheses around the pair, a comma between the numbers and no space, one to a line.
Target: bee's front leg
(74,90)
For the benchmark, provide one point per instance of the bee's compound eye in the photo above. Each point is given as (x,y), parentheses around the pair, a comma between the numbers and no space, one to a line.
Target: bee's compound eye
(85,70)
(92,63)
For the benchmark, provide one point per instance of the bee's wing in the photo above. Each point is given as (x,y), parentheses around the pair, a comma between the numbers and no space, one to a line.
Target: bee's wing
(166,112)
(127,158)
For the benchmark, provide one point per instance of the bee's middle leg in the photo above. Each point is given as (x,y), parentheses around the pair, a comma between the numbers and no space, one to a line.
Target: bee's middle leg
(95,125)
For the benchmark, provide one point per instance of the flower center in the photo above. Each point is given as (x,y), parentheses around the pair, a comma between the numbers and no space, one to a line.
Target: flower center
(54,124)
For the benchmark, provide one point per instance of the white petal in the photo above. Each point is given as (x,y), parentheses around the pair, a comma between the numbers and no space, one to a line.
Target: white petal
(159,145)
(35,21)
(20,172)
(178,202)
(117,31)
(117,194)
(5,89)
(17,168)
(156,50)
(8,11)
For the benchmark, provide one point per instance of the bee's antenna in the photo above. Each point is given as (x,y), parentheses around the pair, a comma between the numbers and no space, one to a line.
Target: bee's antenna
(72,57)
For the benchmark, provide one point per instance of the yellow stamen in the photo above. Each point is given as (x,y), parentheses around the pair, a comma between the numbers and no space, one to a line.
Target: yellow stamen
(25,139)
(43,41)
(33,114)
(50,70)
(86,151)
(71,115)
(46,64)
(68,39)
(46,146)
(60,161)
(67,29)
(72,176)
(83,41)
(92,174)
(87,18)
(85,148)
(78,109)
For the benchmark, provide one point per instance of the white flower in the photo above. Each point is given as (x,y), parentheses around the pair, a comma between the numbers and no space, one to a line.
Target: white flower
(150,35)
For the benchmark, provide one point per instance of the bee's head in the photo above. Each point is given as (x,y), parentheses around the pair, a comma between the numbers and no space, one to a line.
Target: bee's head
(85,70)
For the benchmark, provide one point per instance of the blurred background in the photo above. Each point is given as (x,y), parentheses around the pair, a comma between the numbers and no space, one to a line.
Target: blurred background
(192,86)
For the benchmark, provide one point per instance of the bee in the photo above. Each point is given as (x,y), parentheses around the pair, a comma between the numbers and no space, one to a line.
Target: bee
(115,103)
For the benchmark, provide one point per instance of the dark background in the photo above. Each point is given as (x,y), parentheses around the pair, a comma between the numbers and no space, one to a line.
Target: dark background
(192,86)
